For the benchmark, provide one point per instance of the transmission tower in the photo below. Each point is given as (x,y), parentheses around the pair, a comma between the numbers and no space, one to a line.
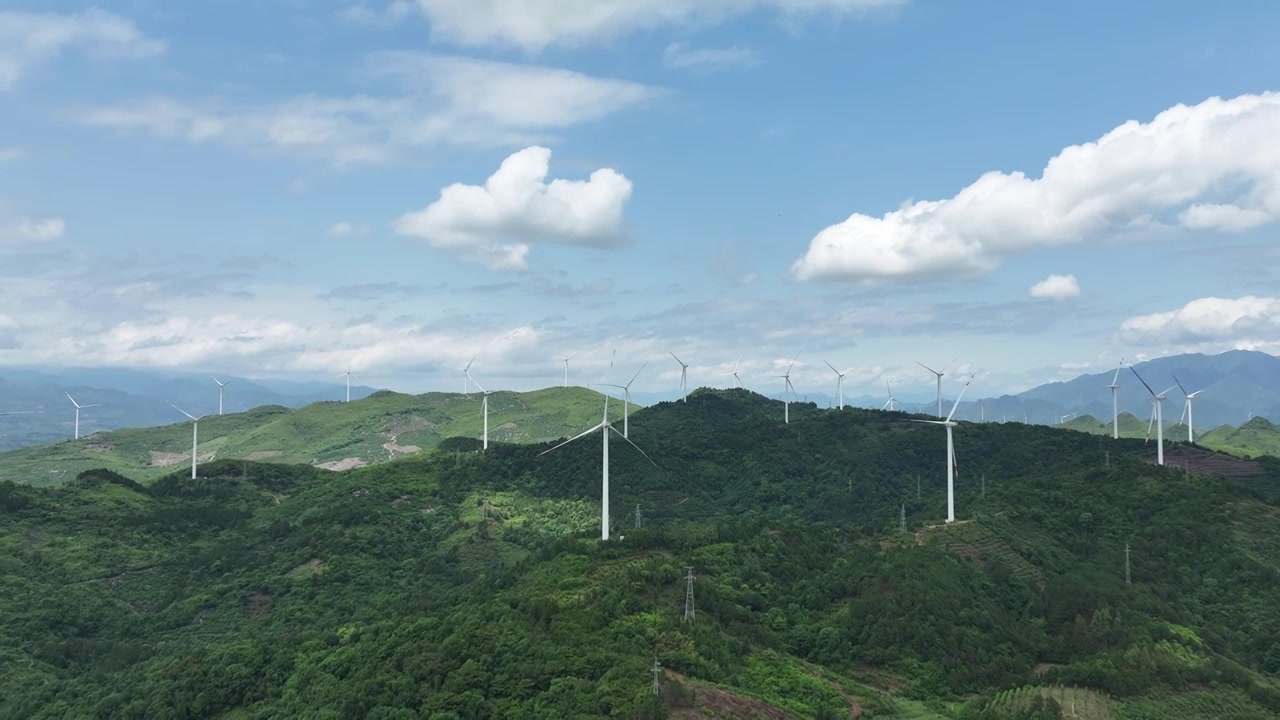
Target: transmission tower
(637,516)
(1128,577)
(688,593)
(902,519)
(657,674)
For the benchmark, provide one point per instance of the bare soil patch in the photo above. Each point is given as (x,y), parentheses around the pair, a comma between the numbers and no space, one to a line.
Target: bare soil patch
(262,454)
(258,605)
(1207,462)
(713,702)
(350,463)
(314,566)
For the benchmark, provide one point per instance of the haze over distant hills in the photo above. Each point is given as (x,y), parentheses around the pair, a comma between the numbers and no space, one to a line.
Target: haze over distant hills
(133,398)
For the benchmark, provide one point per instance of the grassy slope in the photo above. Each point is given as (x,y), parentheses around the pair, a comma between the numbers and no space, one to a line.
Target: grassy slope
(318,433)
(1257,437)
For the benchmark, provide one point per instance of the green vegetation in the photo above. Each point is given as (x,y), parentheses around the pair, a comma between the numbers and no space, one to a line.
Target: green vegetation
(460,584)
(371,430)
(1257,437)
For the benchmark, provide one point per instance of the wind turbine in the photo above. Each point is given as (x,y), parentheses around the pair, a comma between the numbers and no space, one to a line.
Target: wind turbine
(1157,416)
(1186,409)
(684,378)
(951,452)
(626,400)
(466,377)
(79,407)
(566,366)
(737,381)
(348,376)
(484,405)
(604,427)
(889,403)
(221,385)
(195,436)
(839,384)
(788,387)
(939,374)
(1115,408)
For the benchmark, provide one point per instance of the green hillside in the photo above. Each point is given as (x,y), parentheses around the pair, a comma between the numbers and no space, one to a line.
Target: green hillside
(1257,437)
(469,585)
(375,429)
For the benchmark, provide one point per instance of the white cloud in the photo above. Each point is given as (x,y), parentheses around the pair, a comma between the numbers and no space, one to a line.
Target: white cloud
(1056,287)
(29,40)
(1248,322)
(441,100)
(1211,166)
(342,229)
(9,154)
(533,25)
(42,230)
(680,55)
(495,223)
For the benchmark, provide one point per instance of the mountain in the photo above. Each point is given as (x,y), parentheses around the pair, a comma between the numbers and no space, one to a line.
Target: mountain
(464,584)
(1259,436)
(132,398)
(377,428)
(1237,385)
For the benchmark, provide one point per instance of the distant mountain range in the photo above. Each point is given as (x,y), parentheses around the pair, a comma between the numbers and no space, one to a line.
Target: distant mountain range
(133,398)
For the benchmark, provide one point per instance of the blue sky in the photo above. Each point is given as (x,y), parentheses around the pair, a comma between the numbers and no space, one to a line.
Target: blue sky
(255,188)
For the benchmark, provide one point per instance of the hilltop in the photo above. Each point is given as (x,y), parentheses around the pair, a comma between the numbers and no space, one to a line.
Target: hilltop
(467,584)
(1258,436)
(375,429)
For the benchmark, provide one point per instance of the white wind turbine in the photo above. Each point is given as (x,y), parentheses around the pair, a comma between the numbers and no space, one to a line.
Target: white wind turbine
(839,384)
(466,377)
(348,376)
(737,381)
(484,409)
(195,436)
(939,374)
(889,403)
(951,452)
(626,400)
(604,427)
(1115,407)
(684,378)
(221,385)
(566,366)
(79,407)
(1186,409)
(788,387)
(1157,416)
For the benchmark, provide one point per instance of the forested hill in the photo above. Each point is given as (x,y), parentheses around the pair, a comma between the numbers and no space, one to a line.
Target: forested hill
(463,584)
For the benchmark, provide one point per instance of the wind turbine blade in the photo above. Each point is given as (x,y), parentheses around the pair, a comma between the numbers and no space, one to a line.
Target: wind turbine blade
(931,422)
(1184,412)
(953,407)
(184,412)
(926,367)
(793,363)
(1168,390)
(73,400)
(677,359)
(637,447)
(1144,382)
(581,435)
(633,377)
(468,367)
(479,386)
(1178,382)
(833,368)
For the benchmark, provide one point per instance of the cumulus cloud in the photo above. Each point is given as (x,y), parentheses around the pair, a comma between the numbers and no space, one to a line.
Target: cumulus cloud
(1056,287)
(1211,166)
(495,222)
(533,25)
(439,100)
(29,40)
(680,55)
(1248,322)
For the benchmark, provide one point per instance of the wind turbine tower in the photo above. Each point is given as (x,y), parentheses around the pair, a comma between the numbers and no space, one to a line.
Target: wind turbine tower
(484,410)
(604,427)
(684,378)
(939,373)
(1186,409)
(566,366)
(951,452)
(737,381)
(348,376)
(1115,407)
(466,377)
(626,400)
(195,436)
(1157,416)
(79,407)
(221,386)
(839,384)
(788,387)
(888,403)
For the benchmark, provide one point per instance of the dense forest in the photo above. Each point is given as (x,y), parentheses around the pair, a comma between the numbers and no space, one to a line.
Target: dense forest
(469,584)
